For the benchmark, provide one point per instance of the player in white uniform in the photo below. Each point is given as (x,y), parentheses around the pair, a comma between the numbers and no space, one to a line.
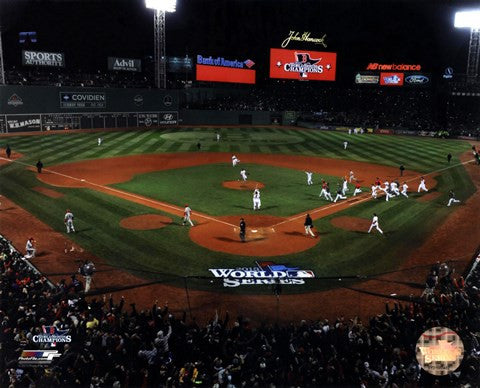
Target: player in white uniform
(352,177)
(328,195)
(375,224)
(309,177)
(68,219)
(256,200)
(404,189)
(452,199)
(218,136)
(30,248)
(187,212)
(235,161)
(394,188)
(374,191)
(345,145)
(388,194)
(243,174)
(387,186)
(99,141)
(344,186)
(422,186)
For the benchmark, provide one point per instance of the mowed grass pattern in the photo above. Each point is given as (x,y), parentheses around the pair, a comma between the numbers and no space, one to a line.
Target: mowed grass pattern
(169,251)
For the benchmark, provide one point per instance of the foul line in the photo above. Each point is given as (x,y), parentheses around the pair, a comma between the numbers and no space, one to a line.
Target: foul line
(366,196)
(125,193)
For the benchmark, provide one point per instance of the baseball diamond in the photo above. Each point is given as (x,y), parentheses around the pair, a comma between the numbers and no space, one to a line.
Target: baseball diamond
(123,178)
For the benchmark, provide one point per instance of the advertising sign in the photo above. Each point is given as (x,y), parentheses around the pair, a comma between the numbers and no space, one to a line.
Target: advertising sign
(124,64)
(266,272)
(393,67)
(168,118)
(366,78)
(224,70)
(417,79)
(19,123)
(302,65)
(147,119)
(391,79)
(82,100)
(304,37)
(41,58)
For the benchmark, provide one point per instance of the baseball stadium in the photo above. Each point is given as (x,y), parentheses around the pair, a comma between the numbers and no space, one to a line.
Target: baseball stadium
(235,194)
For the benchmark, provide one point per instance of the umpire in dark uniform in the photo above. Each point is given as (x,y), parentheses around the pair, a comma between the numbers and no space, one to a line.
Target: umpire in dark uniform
(243,229)
(39,166)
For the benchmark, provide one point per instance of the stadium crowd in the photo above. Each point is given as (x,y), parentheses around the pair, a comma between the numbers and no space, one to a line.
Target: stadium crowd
(114,345)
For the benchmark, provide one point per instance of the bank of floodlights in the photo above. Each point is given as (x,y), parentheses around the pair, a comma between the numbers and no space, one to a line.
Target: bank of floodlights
(160,7)
(471,19)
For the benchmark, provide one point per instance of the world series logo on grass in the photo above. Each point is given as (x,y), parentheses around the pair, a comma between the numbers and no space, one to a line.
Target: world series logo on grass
(266,272)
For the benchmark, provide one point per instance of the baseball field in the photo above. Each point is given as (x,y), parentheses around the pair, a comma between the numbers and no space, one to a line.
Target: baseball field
(128,196)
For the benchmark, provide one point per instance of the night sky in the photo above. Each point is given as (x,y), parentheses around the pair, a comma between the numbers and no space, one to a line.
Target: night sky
(359,31)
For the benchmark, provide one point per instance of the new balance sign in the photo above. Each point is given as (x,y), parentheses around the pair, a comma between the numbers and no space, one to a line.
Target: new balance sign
(126,64)
(40,58)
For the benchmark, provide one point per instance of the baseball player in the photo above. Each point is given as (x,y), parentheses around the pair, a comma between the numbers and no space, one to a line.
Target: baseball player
(352,177)
(345,145)
(394,188)
(99,141)
(328,195)
(309,177)
(30,248)
(388,194)
(308,226)
(68,219)
(358,189)
(422,186)
(375,224)
(256,200)
(187,212)
(323,191)
(235,161)
(374,190)
(217,135)
(387,186)
(404,189)
(452,199)
(243,229)
(339,195)
(344,186)
(378,183)
(243,174)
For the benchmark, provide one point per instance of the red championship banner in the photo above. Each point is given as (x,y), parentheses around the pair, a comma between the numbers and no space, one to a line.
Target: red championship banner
(303,65)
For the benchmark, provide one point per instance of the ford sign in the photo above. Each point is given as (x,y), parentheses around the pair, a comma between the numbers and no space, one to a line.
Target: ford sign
(417,79)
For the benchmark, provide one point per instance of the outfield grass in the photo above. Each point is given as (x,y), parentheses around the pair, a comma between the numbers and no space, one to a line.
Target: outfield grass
(285,193)
(407,223)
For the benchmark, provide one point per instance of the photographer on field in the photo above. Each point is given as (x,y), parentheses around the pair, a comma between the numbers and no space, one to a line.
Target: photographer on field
(87,269)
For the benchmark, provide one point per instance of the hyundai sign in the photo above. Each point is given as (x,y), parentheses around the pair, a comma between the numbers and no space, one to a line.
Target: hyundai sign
(302,65)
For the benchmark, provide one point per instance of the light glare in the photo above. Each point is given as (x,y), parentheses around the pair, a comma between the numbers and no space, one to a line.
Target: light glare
(162,5)
(467,19)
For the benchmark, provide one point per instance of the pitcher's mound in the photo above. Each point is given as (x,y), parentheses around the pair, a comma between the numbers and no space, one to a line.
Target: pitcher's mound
(145,222)
(354,224)
(241,185)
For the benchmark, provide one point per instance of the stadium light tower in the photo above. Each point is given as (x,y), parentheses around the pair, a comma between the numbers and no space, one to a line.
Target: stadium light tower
(471,19)
(2,70)
(160,7)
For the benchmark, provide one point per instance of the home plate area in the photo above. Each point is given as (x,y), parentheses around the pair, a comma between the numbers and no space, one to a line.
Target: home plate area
(266,236)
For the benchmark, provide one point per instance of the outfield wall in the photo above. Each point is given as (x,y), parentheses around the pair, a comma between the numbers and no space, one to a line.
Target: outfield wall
(40,108)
